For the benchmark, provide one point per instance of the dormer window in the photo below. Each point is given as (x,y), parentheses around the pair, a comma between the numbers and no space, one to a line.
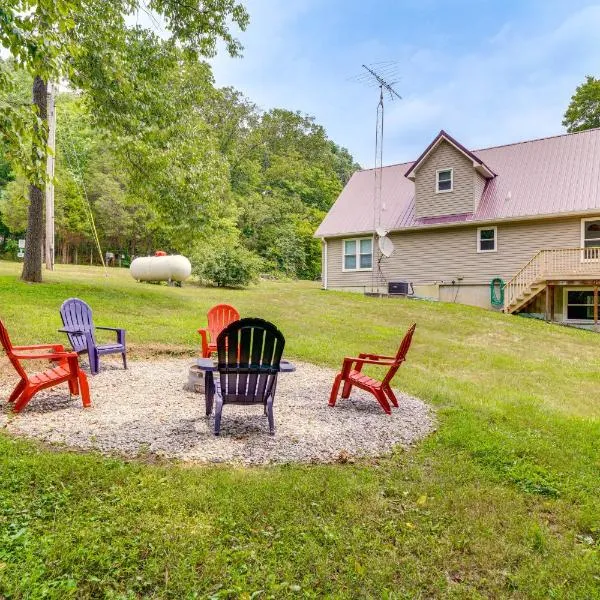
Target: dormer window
(444,180)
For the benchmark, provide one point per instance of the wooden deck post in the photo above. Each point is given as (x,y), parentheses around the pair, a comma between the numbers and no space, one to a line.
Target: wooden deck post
(552,304)
(596,307)
(547,316)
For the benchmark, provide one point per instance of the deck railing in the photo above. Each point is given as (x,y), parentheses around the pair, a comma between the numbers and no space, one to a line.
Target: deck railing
(552,263)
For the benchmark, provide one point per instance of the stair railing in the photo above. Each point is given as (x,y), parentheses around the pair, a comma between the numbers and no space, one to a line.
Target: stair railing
(552,263)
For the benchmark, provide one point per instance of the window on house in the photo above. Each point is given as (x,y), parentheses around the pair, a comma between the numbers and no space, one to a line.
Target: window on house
(590,238)
(579,305)
(444,180)
(358,254)
(487,239)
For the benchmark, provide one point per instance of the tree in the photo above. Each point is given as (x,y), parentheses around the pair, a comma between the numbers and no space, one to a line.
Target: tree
(85,41)
(584,109)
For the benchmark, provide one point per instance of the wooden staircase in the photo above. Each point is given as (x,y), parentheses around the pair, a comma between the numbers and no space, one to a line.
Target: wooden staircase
(551,266)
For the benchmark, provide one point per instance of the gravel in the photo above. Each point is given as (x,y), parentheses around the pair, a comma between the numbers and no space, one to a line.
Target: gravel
(147,410)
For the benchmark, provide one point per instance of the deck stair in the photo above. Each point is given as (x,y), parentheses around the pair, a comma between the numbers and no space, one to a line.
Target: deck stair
(555,265)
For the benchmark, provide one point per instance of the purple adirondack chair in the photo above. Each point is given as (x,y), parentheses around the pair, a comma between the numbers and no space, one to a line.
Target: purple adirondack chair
(78,324)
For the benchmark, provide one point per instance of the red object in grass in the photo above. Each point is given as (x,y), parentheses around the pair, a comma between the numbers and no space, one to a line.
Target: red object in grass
(160,253)
(218,318)
(380,389)
(66,370)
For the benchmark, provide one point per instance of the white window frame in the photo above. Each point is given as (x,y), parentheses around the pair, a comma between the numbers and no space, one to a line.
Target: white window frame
(357,254)
(585,258)
(479,230)
(566,290)
(437,181)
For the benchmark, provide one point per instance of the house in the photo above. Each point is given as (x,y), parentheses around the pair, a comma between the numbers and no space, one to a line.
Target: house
(527,214)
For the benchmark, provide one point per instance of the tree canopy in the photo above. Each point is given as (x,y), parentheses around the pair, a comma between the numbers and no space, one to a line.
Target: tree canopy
(186,167)
(89,44)
(584,110)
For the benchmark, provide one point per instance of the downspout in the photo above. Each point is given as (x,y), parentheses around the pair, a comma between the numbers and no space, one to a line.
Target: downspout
(324,266)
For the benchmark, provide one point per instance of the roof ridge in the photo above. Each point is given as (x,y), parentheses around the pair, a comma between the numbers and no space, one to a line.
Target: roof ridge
(548,137)
(540,139)
(401,164)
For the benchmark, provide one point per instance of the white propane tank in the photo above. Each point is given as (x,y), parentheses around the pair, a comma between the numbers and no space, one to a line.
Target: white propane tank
(161,268)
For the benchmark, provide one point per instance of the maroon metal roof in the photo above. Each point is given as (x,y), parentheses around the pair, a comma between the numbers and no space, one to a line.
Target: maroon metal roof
(549,176)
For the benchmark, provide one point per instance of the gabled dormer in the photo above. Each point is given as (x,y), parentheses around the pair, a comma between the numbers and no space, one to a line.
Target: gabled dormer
(449,179)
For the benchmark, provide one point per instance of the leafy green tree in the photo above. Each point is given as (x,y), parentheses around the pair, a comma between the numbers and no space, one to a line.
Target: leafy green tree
(13,205)
(86,42)
(584,110)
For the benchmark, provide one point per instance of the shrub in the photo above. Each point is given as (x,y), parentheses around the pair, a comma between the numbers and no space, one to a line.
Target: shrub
(231,266)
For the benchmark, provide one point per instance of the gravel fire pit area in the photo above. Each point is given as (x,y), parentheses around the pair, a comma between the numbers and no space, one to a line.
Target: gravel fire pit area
(147,410)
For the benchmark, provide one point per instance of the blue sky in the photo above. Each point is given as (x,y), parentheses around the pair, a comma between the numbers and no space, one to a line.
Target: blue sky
(488,71)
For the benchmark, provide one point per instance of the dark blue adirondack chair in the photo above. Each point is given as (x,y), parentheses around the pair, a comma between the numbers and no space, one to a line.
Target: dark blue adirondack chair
(249,356)
(78,324)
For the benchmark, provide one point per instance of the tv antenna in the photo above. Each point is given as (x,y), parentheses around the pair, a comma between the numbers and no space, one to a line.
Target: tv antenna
(381,75)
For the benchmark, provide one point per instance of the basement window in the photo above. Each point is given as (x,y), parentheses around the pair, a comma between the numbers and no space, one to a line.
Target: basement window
(444,180)
(487,239)
(579,304)
(358,254)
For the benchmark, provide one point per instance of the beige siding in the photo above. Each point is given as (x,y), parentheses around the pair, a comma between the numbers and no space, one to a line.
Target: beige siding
(445,254)
(428,203)
(336,278)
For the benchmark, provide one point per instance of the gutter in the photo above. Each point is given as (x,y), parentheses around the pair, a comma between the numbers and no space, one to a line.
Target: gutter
(478,223)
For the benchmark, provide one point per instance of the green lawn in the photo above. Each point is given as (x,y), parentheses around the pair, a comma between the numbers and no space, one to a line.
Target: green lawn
(502,501)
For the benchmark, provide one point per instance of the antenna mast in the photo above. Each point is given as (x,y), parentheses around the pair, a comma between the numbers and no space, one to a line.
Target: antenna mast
(379,77)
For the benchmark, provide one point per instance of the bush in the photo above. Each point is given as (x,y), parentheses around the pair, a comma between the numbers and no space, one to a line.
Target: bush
(10,249)
(231,266)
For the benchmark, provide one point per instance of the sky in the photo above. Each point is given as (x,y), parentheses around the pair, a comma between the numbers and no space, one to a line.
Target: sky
(489,72)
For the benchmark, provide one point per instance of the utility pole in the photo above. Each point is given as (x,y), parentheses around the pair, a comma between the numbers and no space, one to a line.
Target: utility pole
(49,250)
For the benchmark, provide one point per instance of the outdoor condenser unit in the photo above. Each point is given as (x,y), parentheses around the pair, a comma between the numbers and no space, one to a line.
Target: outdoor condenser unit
(400,288)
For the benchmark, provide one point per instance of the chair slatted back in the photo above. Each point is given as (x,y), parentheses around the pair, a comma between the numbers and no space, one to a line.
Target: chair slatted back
(8,348)
(401,354)
(249,353)
(219,317)
(77,313)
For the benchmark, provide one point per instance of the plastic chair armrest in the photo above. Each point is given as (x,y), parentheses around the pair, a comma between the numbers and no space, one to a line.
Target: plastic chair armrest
(118,330)
(205,339)
(206,364)
(55,347)
(48,356)
(351,359)
(376,356)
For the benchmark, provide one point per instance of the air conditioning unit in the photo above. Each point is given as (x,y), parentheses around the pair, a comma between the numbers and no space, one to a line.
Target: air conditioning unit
(400,288)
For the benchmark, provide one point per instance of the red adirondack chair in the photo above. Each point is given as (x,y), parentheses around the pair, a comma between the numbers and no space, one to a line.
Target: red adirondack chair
(66,369)
(218,318)
(380,389)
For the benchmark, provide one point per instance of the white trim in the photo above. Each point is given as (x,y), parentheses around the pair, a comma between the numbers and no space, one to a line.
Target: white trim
(583,252)
(356,254)
(437,180)
(479,230)
(324,269)
(566,290)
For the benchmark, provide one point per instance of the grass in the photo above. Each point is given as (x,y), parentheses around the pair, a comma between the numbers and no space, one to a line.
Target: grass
(502,501)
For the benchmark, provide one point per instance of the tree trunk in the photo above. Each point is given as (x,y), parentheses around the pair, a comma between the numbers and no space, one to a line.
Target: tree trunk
(32,264)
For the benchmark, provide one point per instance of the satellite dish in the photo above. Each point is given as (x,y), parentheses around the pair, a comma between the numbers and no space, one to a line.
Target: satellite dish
(380,231)
(386,246)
